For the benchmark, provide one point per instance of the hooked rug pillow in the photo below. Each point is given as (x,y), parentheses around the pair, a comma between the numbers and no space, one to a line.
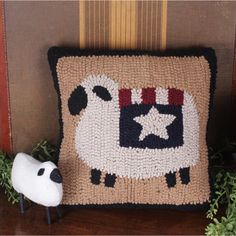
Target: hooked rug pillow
(133,126)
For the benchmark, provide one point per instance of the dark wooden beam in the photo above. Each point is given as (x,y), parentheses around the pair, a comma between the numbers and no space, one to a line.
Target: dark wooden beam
(233,97)
(5,131)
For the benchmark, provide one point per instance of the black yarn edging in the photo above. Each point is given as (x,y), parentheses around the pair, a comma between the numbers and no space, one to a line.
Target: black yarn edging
(187,207)
(55,53)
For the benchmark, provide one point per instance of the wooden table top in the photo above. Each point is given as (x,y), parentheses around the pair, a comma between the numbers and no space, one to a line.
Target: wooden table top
(100,221)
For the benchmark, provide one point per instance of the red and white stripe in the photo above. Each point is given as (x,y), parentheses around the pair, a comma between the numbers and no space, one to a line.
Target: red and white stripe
(151,96)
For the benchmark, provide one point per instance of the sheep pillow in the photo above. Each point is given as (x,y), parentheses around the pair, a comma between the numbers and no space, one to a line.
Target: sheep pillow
(133,126)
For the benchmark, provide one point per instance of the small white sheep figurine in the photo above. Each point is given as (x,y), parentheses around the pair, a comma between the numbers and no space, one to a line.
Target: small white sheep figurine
(40,182)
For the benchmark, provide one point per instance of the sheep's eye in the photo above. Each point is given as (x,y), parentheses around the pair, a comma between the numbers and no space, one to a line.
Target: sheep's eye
(41,171)
(102,92)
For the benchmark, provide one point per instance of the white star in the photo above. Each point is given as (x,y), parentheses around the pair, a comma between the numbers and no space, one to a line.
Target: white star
(154,123)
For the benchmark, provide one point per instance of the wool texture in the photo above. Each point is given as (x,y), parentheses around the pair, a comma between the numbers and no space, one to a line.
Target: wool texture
(133,127)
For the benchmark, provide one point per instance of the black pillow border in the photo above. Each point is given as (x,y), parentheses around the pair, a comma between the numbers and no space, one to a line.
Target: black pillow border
(55,53)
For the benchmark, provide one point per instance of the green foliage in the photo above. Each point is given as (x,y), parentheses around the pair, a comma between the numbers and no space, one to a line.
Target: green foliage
(43,151)
(5,177)
(224,188)
(225,193)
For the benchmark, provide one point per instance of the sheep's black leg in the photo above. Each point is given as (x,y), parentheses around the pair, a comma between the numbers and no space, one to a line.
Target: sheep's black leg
(110,180)
(171,179)
(22,209)
(95,176)
(184,175)
(58,212)
(48,215)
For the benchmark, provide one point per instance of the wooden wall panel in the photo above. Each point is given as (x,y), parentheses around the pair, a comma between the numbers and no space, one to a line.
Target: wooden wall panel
(93,24)
(32,27)
(123,24)
(5,130)
(122,29)
(163,25)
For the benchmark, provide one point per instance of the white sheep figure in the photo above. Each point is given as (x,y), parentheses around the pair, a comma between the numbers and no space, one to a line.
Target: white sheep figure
(40,182)
(131,137)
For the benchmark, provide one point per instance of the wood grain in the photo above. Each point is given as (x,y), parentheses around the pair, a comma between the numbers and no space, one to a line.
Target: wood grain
(5,133)
(100,221)
(163,25)
(82,23)
(123,24)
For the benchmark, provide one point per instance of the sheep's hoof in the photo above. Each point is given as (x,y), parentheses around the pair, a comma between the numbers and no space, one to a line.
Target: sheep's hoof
(96,176)
(184,175)
(171,179)
(110,180)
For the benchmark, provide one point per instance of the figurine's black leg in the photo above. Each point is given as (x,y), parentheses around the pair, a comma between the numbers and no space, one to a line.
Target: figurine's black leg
(171,179)
(58,212)
(48,215)
(22,209)
(110,180)
(95,176)
(184,175)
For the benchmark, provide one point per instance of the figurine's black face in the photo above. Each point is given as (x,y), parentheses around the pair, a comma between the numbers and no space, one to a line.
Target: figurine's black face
(55,175)
(78,99)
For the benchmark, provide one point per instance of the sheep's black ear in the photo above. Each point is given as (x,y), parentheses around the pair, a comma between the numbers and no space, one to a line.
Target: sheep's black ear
(41,171)
(78,100)
(102,92)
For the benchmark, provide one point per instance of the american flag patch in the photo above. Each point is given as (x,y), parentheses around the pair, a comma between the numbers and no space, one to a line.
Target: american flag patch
(147,103)
(150,96)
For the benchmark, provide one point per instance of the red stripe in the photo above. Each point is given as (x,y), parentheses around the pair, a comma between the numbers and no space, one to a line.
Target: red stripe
(175,97)
(149,96)
(124,97)
(5,137)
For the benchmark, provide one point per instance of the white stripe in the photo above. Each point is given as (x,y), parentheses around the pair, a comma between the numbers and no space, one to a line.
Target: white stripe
(136,96)
(162,96)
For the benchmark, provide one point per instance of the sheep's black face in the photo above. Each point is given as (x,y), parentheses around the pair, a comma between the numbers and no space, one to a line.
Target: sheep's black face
(55,176)
(78,99)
